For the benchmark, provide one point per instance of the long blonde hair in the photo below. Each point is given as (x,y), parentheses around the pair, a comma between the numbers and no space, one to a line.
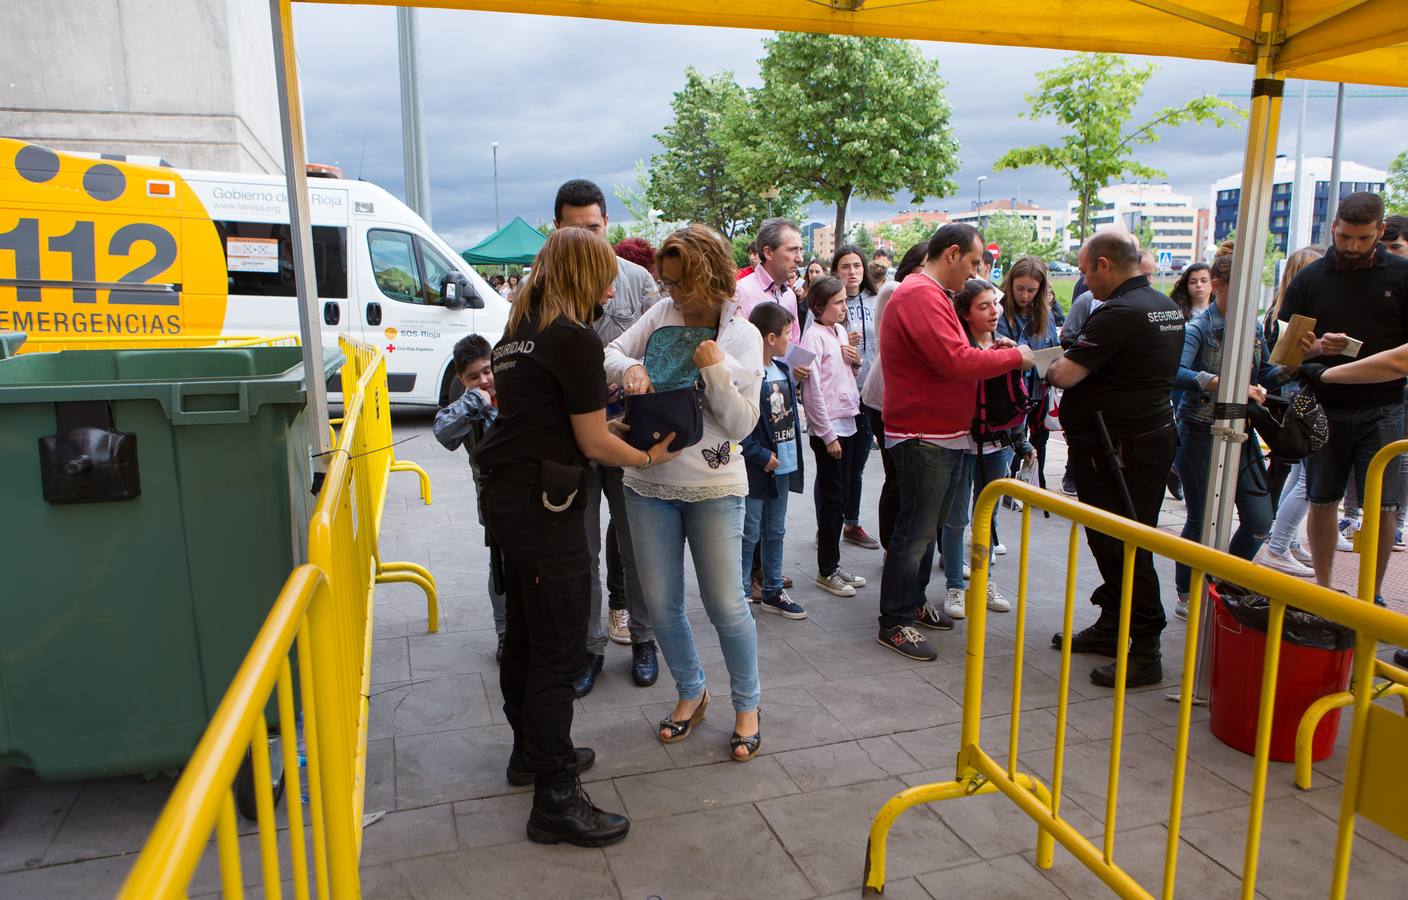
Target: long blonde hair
(569,278)
(1294,263)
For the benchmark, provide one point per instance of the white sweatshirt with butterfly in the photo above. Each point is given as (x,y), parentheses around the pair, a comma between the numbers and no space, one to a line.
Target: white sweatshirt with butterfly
(713,467)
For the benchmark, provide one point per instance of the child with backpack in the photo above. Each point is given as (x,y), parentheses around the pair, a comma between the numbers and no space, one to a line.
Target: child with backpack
(997,429)
(773,453)
(831,400)
(464,423)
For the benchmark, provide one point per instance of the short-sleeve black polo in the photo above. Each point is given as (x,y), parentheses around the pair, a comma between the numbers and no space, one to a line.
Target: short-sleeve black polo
(1369,304)
(542,378)
(1131,346)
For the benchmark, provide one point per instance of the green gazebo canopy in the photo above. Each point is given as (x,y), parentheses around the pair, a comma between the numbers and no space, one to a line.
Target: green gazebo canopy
(515,243)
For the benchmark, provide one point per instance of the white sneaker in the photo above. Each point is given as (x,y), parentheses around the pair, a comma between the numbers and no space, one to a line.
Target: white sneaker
(854,581)
(953,604)
(1301,555)
(1000,549)
(1285,562)
(620,628)
(1344,544)
(834,584)
(997,602)
(1180,608)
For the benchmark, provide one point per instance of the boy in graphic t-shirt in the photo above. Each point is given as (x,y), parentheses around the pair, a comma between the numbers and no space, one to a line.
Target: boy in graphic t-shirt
(773,454)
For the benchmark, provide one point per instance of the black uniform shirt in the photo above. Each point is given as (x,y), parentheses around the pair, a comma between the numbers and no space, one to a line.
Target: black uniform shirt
(1369,304)
(542,377)
(1131,345)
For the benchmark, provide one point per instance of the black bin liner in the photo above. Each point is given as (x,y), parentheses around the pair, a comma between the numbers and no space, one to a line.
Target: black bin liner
(1300,627)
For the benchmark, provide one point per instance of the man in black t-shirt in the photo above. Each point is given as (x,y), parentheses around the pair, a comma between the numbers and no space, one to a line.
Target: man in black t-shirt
(1356,291)
(1121,367)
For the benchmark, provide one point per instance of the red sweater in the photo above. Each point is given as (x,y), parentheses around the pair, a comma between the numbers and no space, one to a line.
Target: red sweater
(931,371)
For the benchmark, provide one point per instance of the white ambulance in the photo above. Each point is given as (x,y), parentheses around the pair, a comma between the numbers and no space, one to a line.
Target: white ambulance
(107,248)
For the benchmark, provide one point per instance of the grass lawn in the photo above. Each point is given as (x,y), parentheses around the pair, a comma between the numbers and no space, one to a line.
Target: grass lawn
(1064,285)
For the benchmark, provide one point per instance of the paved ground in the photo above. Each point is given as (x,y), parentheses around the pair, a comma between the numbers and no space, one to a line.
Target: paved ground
(846,725)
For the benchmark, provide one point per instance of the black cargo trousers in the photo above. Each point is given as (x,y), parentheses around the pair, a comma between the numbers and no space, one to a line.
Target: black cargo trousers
(547,578)
(1146,459)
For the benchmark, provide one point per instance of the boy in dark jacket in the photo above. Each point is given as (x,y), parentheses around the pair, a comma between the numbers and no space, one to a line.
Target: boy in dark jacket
(463,423)
(773,453)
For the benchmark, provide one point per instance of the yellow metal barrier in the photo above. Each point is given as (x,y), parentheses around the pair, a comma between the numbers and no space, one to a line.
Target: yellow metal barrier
(325,613)
(1373,784)
(47,343)
(1394,681)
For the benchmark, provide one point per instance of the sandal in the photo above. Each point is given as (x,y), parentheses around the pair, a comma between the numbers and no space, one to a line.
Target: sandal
(752,743)
(681,729)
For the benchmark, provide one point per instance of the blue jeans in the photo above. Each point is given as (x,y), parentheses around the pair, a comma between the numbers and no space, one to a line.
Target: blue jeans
(714,531)
(979,470)
(860,453)
(930,477)
(1253,500)
(765,521)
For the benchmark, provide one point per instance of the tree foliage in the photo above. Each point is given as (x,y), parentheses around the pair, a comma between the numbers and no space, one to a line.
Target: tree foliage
(1093,96)
(638,206)
(899,238)
(841,118)
(695,179)
(1396,187)
(1017,237)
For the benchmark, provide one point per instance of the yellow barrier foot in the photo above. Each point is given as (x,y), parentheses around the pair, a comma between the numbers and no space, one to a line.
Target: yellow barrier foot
(405,465)
(871,889)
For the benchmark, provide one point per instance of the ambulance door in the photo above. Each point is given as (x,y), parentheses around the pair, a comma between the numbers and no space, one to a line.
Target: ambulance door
(404,313)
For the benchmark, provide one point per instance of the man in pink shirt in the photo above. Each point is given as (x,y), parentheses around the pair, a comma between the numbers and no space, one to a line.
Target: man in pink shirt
(931,386)
(779,246)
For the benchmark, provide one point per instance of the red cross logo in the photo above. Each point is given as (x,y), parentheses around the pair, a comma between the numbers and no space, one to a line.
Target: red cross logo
(390,348)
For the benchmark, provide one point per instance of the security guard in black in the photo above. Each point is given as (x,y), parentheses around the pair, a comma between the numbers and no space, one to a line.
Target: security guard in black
(1130,346)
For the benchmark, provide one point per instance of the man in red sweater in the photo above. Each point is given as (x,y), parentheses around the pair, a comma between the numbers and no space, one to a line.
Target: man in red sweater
(931,384)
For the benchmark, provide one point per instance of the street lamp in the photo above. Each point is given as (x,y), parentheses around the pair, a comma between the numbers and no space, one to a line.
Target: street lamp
(496,185)
(655,216)
(770,195)
(981,179)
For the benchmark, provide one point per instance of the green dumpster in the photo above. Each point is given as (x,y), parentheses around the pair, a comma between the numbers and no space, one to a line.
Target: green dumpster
(152,503)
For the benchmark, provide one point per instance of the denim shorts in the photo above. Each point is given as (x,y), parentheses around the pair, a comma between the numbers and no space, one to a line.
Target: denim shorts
(1355,436)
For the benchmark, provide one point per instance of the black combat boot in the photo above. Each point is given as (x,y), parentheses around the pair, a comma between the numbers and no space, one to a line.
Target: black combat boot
(1101,638)
(562,811)
(1145,666)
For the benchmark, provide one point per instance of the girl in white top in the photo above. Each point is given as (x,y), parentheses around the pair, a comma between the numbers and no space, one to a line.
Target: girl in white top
(832,401)
(697,498)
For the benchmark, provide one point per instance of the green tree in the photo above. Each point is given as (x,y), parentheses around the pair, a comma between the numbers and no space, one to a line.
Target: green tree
(633,197)
(899,238)
(1144,231)
(1274,255)
(1396,186)
(842,118)
(1017,237)
(616,234)
(862,238)
(1093,96)
(695,179)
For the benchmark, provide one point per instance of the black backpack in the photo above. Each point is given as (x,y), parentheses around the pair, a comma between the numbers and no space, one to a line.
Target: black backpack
(1003,406)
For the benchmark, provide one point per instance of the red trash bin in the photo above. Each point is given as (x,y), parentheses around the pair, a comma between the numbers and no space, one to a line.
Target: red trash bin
(1304,675)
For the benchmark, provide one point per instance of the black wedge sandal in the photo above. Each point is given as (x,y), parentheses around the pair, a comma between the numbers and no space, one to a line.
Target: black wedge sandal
(752,744)
(681,729)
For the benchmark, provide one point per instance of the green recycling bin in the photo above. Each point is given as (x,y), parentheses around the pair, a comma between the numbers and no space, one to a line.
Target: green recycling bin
(152,504)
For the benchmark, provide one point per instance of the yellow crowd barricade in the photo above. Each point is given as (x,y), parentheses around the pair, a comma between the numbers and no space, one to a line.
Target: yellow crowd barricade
(1389,680)
(324,617)
(49,342)
(1374,786)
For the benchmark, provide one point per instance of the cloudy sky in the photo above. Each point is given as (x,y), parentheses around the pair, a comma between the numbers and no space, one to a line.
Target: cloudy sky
(568,98)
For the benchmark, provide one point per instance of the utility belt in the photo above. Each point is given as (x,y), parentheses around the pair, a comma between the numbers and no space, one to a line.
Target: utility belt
(1129,449)
(557,486)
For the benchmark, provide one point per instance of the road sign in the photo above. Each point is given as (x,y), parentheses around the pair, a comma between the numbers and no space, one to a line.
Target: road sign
(995,250)
(1165,259)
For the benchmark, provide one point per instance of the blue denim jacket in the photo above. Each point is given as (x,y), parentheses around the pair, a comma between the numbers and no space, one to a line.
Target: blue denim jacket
(1202,360)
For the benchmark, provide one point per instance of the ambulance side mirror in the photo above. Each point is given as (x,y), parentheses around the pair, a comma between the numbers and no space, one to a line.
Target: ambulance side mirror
(458,293)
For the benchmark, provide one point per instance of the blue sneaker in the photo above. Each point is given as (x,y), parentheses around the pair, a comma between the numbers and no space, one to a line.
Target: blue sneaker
(784,606)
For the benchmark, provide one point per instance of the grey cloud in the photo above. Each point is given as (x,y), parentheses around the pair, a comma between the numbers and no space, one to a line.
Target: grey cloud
(572,98)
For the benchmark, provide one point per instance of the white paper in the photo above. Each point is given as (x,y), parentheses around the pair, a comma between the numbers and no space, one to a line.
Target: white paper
(797,355)
(1353,348)
(246,254)
(1044,359)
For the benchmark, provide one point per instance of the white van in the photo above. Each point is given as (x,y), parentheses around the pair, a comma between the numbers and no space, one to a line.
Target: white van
(109,248)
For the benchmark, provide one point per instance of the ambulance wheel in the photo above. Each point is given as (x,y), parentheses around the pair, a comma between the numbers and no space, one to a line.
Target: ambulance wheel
(450,388)
(244,781)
